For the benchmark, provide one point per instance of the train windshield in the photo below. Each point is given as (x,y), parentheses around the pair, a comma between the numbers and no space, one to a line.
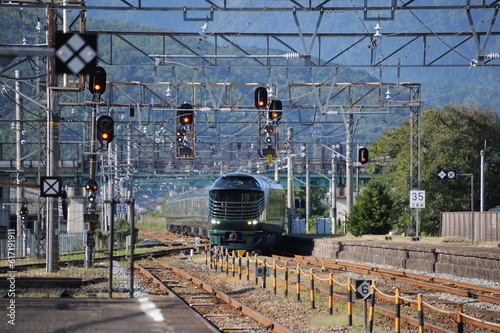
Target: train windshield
(236,181)
(236,195)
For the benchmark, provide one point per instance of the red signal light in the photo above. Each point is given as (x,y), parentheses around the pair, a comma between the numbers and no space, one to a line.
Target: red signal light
(105,129)
(363,155)
(275,112)
(260,98)
(186,114)
(186,119)
(97,81)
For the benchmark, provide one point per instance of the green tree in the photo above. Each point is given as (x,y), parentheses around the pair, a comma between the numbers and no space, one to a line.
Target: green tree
(451,139)
(372,211)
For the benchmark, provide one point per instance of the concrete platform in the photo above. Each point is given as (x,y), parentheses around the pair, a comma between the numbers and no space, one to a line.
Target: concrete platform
(82,315)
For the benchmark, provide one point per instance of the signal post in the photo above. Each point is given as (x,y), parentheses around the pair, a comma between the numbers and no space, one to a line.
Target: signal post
(268,138)
(97,86)
(185,143)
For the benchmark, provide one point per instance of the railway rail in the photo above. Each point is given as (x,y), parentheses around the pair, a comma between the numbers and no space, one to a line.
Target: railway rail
(425,282)
(214,306)
(454,312)
(442,316)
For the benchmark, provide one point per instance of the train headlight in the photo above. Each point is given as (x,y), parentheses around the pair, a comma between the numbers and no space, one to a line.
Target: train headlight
(255,222)
(249,222)
(213,221)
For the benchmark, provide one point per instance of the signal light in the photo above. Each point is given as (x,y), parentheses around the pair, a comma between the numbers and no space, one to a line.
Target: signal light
(363,155)
(97,81)
(92,185)
(23,211)
(261,98)
(186,116)
(181,133)
(275,112)
(105,129)
(186,120)
(269,129)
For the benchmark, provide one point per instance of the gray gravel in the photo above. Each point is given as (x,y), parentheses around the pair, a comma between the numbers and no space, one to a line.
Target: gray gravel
(121,279)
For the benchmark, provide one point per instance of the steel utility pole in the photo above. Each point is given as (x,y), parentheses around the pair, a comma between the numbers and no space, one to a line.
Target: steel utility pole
(20,166)
(53,118)
(333,208)
(348,118)
(481,183)
(291,201)
(91,205)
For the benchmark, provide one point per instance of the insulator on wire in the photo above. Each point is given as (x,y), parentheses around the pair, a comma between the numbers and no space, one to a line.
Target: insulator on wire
(493,56)
(291,55)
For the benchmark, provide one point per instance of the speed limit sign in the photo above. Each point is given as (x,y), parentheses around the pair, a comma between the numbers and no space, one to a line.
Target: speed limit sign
(417,199)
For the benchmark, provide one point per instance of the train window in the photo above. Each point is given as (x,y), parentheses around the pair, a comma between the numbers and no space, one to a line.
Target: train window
(247,182)
(236,196)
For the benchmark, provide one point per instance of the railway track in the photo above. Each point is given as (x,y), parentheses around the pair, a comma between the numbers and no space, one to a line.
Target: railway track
(425,282)
(460,310)
(411,284)
(220,310)
(440,316)
(414,284)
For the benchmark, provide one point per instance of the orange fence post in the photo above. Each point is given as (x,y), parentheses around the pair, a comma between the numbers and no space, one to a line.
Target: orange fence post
(227,261)
(349,301)
(420,309)
(313,305)
(298,282)
(286,278)
(397,321)
(372,307)
(330,294)
(460,323)
(275,281)
(216,258)
(239,266)
(256,268)
(264,274)
(233,266)
(248,267)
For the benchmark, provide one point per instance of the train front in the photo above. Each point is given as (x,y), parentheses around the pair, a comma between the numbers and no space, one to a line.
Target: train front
(236,203)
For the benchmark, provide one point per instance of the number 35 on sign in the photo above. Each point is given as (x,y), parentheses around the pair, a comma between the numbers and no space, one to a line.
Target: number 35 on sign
(417,199)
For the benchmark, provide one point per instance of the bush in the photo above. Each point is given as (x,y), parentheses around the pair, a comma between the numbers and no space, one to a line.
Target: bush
(372,211)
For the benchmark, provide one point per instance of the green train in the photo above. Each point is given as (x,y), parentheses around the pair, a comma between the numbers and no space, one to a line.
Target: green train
(239,212)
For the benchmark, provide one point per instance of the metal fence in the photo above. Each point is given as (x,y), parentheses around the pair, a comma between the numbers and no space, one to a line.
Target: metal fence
(459,224)
(31,247)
